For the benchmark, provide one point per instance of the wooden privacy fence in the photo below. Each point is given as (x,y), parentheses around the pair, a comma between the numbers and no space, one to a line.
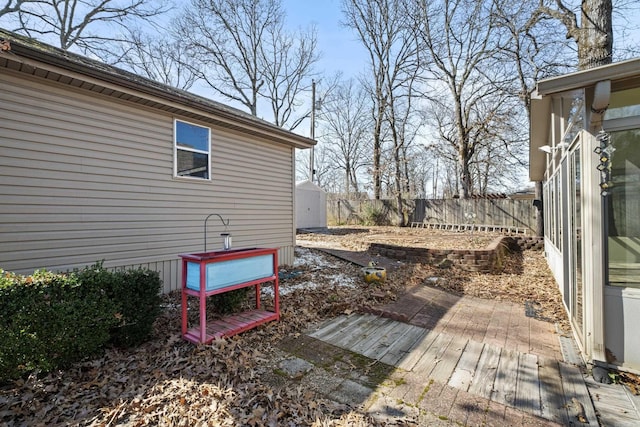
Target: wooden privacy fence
(510,213)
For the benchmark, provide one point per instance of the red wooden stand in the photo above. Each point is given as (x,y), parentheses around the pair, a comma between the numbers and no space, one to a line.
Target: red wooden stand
(205,332)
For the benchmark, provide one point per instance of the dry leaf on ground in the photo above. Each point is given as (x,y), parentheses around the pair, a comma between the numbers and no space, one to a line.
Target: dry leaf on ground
(234,381)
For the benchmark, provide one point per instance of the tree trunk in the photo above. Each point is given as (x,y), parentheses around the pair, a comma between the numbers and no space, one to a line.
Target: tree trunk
(398,188)
(377,179)
(407,179)
(377,149)
(346,181)
(465,175)
(595,41)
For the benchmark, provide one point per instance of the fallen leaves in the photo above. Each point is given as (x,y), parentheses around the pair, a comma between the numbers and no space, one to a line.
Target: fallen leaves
(170,382)
(526,279)
(632,381)
(358,238)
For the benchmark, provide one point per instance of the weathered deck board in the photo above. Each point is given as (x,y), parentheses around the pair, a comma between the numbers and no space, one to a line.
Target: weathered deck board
(482,383)
(328,330)
(614,404)
(551,393)
(576,395)
(370,343)
(433,355)
(359,331)
(504,387)
(528,386)
(466,369)
(448,360)
(385,342)
(570,351)
(533,384)
(414,355)
(400,349)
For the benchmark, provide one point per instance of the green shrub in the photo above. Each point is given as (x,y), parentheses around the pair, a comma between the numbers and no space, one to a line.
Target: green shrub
(139,301)
(49,321)
(136,294)
(229,302)
(374,215)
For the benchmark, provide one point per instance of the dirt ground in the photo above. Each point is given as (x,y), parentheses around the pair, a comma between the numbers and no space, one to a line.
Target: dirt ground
(359,238)
(526,277)
(238,380)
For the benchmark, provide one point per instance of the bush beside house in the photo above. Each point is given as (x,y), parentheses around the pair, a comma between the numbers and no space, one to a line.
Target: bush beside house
(50,320)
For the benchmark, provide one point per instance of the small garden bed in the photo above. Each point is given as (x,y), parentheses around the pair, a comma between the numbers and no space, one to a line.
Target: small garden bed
(359,237)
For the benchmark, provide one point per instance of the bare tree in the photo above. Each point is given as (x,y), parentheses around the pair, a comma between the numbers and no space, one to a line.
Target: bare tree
(460,39)
(537,52)
(594,33)
(159,58)
(241,51)
(225,37)
(327,175)
(420,167)
(11,6)
(500,157)
(375,29)
(625,29)
(533,46)
(385,28)
(287,61)
(88,25)
(345,131)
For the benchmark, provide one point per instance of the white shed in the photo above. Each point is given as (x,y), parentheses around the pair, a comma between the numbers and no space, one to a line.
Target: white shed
(311,206)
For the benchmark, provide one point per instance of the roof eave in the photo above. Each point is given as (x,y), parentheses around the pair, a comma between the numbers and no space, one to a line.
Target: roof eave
(141,85)
(585,78)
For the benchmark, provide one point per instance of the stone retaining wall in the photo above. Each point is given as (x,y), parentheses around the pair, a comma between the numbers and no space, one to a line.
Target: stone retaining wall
(487,260)
(529,242)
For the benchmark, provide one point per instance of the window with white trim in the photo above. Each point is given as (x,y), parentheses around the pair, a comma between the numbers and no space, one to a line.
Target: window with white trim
(192,148)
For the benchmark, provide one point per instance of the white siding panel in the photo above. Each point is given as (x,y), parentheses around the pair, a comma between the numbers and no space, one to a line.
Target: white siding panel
(85,179)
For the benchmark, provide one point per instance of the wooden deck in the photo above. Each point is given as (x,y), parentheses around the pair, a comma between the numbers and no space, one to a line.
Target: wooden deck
(503,377)
(476,362)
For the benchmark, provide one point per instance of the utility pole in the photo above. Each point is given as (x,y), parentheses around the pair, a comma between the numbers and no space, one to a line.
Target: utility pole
(312,169)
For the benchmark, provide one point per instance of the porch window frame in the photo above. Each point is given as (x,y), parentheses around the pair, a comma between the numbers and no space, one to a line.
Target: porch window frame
(620,124)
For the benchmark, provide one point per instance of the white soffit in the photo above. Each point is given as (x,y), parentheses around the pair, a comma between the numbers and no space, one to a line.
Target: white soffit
(541,103)
(585,78)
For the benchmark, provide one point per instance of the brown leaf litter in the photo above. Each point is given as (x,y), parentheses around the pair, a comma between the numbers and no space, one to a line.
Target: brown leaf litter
(170,382)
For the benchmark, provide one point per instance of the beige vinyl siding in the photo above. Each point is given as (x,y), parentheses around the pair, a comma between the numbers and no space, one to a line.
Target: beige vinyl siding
(84,178)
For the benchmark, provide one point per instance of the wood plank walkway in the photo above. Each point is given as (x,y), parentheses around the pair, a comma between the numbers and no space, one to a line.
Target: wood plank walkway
(493,322)
(461,367)
(487,327)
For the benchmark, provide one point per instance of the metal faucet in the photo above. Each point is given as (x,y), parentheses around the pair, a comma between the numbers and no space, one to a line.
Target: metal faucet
(225,223)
